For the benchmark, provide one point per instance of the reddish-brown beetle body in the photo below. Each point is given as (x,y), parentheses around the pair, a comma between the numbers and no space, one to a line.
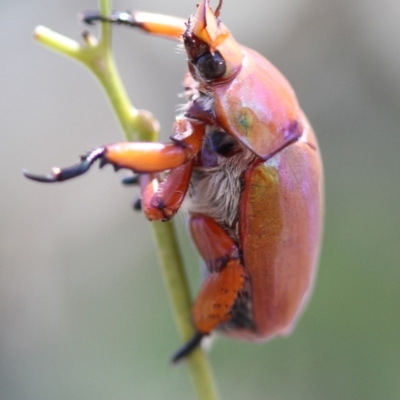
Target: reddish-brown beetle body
(245,164)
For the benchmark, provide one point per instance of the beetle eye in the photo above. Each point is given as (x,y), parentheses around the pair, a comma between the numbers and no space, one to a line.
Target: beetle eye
(211,66)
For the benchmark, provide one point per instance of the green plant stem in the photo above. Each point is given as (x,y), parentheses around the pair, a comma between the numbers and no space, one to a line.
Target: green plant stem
(177,287)
(139,125)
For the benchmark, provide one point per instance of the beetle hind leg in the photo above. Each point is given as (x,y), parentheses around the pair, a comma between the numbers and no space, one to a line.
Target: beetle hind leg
(215,302)
(214,305)
(217,297)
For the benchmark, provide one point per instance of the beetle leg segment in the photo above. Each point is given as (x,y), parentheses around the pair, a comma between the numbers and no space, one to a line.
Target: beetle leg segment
(131,180)
(217,296)
(220,289)
(155,24)
(161,200)
(145,157)
(140,157)
(62,174)
(212,242)
(188,347)
(137,204)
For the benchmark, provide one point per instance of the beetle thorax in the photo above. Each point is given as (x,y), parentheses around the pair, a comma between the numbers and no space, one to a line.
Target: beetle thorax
(217,182)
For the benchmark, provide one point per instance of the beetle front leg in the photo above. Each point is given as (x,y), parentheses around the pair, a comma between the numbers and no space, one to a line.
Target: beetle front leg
(62,174)
(155,24)
(187,139)
(139,157)
(214,303)
(136,156)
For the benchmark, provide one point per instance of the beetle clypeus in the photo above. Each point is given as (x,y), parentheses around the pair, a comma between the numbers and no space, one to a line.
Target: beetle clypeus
(245,162)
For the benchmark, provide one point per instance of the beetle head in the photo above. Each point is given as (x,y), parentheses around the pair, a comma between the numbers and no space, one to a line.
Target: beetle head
(214,55)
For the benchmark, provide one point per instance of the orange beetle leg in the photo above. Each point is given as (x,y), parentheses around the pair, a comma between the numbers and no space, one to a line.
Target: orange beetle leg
(220,289)
(145,156)
(155,24)
(187,139)
(212,242)
(161,25)
(217,296)
(161,200)
(213,304)
(156,157)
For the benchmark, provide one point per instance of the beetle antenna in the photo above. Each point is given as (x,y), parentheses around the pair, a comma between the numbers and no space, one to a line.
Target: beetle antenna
(62,174)
(218,9)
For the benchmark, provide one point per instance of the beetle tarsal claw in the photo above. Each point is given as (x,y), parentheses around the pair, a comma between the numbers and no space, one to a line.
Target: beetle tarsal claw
(103,163)
(40,178)
(123,18)
(90,17)
(63,174)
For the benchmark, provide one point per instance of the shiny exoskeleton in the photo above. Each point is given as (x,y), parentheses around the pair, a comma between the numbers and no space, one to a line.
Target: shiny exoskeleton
(244,163)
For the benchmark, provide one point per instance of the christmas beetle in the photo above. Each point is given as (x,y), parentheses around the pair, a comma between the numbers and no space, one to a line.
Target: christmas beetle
(244,163)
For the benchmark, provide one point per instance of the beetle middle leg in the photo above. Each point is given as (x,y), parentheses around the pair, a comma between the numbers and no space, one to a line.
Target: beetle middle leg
(155,24)
(162,198)
(133,180)
(214,303)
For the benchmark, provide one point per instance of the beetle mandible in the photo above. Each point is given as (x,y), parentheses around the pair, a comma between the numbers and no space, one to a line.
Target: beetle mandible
(244,162)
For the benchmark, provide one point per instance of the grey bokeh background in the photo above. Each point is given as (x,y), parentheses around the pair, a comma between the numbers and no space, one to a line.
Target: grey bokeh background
(83,313)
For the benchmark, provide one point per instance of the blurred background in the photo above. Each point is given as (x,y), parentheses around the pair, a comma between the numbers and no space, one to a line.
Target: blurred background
(83,312)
